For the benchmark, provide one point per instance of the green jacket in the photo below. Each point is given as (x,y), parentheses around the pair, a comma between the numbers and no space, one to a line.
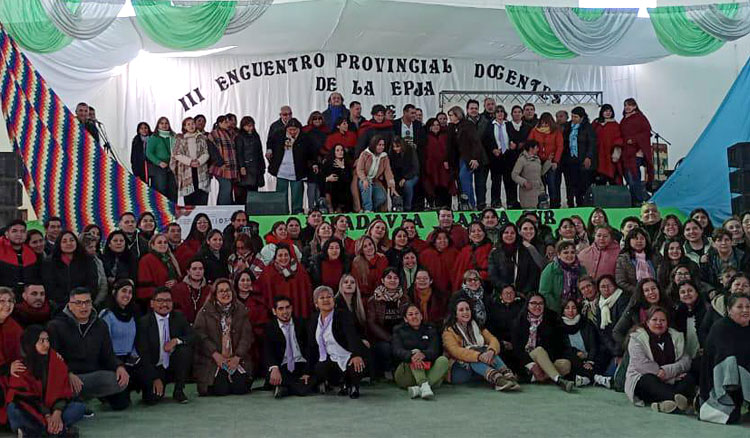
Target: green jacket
(159,149)
(551,285)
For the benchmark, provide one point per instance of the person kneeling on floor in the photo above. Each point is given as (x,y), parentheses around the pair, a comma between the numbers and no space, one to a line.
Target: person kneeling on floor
(284,350)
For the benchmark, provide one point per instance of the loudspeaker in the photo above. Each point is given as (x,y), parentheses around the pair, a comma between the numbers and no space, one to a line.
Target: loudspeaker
(738,155)
(608,197)
(740,204)
(11,191)
(739,181)
(266,203)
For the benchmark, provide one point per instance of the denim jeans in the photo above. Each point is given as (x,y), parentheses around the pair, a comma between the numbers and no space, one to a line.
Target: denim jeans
(20,419)
(313,194)
(466,180)
(373,197)
(464,372)
(408,192)
(297,187)
(637,192)
(225,191)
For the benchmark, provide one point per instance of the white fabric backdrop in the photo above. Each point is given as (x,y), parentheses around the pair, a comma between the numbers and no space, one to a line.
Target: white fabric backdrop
(150,87)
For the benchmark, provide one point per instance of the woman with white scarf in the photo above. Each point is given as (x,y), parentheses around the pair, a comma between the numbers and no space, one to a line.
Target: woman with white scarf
(373,169)
(473,351)
(613,303)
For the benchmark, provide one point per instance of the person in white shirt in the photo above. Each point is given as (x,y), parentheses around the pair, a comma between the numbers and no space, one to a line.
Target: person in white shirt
(284,350)
(336,351)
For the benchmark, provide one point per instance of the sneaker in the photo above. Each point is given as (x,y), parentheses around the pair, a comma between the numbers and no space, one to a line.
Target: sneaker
(426,391)
(603,381)
(179,396)
(414,392)
(682,402)
(88,413)
(503,384)
(564,384)
(582,381)
(666,406)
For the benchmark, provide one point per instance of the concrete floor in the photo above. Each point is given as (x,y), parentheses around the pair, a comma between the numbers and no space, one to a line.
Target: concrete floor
(385,411)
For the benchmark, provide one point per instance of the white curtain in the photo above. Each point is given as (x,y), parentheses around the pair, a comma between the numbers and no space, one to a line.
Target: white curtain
(590,37)
(716,23)
(89,19)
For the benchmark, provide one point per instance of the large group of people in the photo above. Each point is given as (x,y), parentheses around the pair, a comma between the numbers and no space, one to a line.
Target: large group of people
(346,163)
(655,307)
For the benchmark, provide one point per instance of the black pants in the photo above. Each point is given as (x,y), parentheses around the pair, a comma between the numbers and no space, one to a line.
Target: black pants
(650,389)
(577,183)
(236,384)
(500,170)
(198,197)
(180,361)
(292,381)
(577,368)
(328,371)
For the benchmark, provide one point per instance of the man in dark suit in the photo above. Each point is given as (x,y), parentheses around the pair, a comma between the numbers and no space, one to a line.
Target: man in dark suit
(164,341)
(285,349)
(335,350)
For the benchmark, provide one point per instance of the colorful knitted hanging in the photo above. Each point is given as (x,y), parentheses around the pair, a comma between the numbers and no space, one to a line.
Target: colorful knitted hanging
(66,173)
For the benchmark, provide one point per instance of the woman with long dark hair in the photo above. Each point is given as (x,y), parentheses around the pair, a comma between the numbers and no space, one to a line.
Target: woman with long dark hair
(437,174)
(138,162)
(67,268)
(214,256)
(646,295)
(405,166)
(250,159)
(637,261)
(475,255)
(337,177)
(515,261)
(609,146)
(192,244)
(118,262)
(327,267)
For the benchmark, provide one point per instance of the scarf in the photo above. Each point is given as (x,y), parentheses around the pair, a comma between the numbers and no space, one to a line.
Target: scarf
(168,135)
(571,325)
(122,314)
(479,310)
(642,268)
(166,258)
(144,139)
(662,348)
(287,271)
(534,322)
(574,140)
(225,323)
(409,276)
(381,293)
(570,280)
(422,299)
(472,337)
(605,308)
(543,129)
(372,172)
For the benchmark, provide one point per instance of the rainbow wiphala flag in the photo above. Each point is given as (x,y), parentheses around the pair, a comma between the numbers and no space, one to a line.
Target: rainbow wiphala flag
(65,172)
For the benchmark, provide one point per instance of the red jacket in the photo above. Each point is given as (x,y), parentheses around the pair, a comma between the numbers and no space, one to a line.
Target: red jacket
(348,140)
(26,388)
(298,287)
(434,173)
(440,266)
(368,273)
(459,236)
(11,272)
(472,258)
(637,129)
(550,144)
(152,273)
(607,137)
(186,251)
(186,303)
(10,351)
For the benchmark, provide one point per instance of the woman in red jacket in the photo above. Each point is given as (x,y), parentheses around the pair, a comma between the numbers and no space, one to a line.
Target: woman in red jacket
(475,255)
(286,276)
(636,136)
(257,311)
(437,173)
(438,258)
(155,269)
(608,139)
(340,228)
(192,244)
(343,136)
(368,267)
(550,139)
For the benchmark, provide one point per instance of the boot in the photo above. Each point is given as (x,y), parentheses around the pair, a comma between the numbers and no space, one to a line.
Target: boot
(565,385)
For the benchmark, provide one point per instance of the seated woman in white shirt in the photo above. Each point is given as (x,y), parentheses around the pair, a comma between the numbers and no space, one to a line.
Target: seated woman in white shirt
(336,351)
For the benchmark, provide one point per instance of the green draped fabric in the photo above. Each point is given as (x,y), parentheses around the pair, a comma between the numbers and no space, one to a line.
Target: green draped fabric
(184,27)
(589,14)
(680,35)
(28,24)
(533,29)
